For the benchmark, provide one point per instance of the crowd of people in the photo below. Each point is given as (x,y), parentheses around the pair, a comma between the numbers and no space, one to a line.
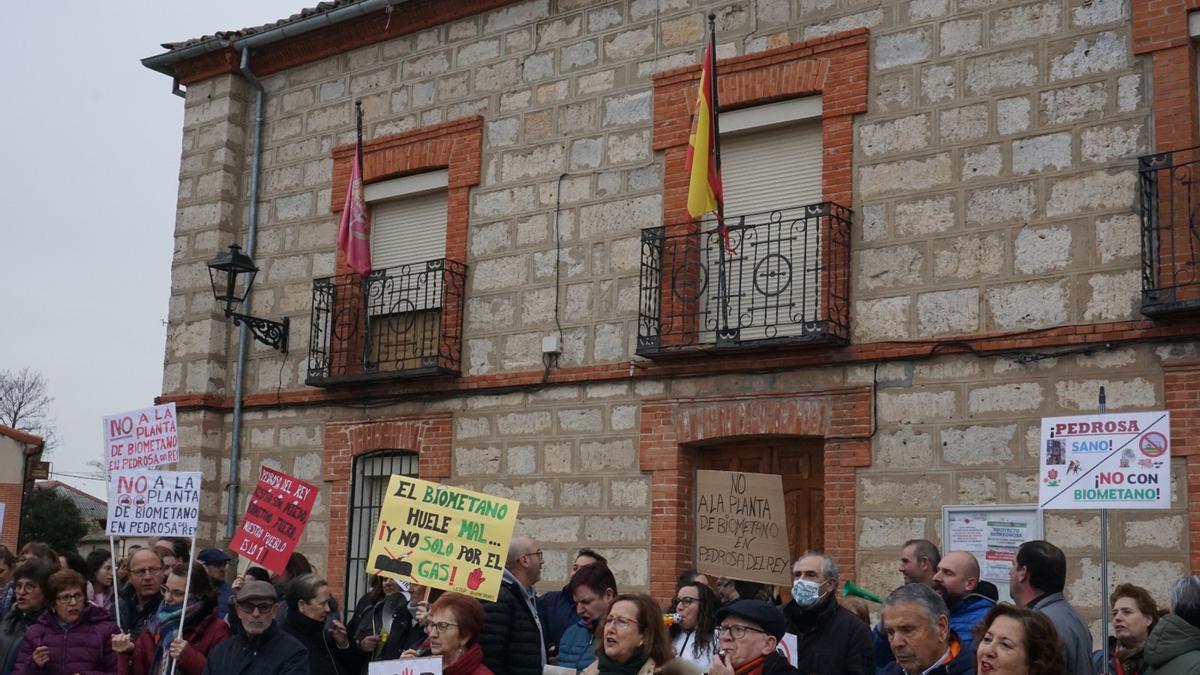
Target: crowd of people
(159,611)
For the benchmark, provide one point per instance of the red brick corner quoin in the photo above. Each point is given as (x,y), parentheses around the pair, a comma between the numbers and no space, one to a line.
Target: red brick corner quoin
(428,436)
(671,430)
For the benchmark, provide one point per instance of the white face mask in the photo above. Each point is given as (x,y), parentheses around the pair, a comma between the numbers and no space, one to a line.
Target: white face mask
(806,593)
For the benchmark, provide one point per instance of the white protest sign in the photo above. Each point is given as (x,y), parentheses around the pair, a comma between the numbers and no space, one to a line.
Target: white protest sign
(141,439)
(430,665)
(1113,461)
(787,647)
(153,504)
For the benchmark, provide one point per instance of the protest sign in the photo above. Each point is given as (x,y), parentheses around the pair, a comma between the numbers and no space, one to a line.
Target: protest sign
(153,503)
(141,439)
(787,647)
(741,527)
(992,533)
(274,520)
(428,665)
(1113,461)
(444,537)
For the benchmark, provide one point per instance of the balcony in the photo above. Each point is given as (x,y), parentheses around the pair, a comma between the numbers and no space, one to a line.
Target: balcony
(396,323)
(1170,210)
(785,283)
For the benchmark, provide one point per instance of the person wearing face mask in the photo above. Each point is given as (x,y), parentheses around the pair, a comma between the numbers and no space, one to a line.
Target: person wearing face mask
(593,588)
(829,639)
(694,636)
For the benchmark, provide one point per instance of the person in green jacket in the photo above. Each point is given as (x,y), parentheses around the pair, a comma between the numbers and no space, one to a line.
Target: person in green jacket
(1173,648)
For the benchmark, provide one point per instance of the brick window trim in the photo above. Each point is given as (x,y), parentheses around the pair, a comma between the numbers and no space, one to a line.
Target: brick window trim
(456,146)
(429,436)
(834,67)
(1160,30)
(671,430)
(1181,385)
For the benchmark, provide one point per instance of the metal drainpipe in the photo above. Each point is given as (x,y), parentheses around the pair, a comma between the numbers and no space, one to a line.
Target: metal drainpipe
(235,449)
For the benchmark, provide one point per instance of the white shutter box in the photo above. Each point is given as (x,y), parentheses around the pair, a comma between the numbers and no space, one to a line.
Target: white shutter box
(408,230)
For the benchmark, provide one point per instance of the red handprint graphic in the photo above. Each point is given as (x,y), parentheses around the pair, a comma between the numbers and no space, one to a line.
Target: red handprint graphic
(475,579)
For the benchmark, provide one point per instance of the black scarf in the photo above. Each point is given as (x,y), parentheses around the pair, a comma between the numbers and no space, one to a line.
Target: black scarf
(630,667)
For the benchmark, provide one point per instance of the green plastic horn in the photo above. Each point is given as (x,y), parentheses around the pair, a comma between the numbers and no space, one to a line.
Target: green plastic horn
(852,590)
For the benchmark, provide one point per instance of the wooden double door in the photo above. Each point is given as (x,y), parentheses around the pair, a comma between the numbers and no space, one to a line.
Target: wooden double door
(800,462)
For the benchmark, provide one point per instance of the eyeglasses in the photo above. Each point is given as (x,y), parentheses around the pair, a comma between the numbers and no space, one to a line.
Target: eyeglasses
(737,631)
(439,627)
(69,598)
(537,553)
(25,587)
(253,608)
(173,593)
(620,622)
(145,571)
(686,602)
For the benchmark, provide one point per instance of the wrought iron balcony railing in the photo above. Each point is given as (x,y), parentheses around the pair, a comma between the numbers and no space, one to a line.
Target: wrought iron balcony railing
(395,323)
(1169,191)
(785,281)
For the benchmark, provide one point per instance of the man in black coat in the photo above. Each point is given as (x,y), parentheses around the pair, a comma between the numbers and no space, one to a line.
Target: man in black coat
(829,639)
(750,631)
(512,638)
(258,645)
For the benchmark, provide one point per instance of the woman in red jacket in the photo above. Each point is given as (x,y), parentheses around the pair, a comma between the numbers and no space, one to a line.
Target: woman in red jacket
(159,642)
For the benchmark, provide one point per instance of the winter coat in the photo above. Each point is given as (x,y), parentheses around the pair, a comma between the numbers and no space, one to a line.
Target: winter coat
(962,664)
(577,647)
(12,630)
(134,618)
(103,600)
(1173,648)
(511,638)
(773,664)
(967,615)
(1074,634)
(556,610)
(272,653)
(684,646)
(830,639)
(1133,661)
(84,648)
(469,663)
(325,657)
(646,669)
(391,616)
(201,637)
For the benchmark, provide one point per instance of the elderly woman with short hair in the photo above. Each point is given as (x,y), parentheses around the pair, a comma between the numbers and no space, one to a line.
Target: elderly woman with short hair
(73,638)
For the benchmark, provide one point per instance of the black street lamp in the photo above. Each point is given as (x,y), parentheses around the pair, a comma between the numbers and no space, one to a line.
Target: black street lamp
(234,269)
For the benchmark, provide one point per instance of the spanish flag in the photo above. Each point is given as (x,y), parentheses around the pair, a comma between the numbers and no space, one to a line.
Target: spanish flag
(705,193)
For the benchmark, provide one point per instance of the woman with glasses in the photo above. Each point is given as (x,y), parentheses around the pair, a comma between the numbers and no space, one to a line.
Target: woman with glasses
(160,642)
(30,584)
(634,640)
(309,604)
(455,621)
(73,637)
(693,635)
(593,589)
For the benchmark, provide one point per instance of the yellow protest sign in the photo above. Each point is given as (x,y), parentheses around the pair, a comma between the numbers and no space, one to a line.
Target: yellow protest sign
(442,536)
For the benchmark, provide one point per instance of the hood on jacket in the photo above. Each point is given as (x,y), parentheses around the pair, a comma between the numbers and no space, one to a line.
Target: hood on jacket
(1171,638)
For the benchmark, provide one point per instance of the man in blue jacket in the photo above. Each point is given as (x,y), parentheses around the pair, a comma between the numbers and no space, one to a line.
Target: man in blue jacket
(956,580)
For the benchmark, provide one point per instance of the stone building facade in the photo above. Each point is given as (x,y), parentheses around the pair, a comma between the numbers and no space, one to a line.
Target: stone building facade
(988,151)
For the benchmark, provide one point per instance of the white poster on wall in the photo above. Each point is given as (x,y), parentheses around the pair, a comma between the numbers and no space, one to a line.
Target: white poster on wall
(1113,461)
(992,533)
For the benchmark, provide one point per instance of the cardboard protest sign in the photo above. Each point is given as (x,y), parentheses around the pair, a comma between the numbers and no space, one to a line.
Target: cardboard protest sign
(153,504)
(428,665)
(274,520)
(444,537)
(1113,461)
(741,526)
(141,439)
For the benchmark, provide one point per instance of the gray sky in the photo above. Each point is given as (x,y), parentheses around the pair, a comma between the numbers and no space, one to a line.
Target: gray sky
(90,171)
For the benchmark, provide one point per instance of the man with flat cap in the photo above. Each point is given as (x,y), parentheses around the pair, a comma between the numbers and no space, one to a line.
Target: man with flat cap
(750,631)
(258,646)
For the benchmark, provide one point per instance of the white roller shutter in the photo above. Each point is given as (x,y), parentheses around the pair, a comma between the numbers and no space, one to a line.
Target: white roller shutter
(408,230)
(764,169)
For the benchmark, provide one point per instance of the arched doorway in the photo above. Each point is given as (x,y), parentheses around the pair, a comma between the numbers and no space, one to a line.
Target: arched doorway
(801,463)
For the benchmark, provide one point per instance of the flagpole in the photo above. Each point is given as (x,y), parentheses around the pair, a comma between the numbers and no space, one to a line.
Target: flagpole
(358,160)
(722,267)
